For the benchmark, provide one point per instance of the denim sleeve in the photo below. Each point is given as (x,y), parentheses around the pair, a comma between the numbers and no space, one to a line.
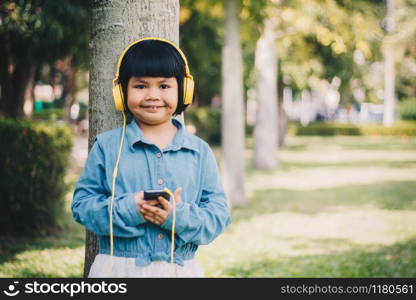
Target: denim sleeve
(202,223)
(91,198)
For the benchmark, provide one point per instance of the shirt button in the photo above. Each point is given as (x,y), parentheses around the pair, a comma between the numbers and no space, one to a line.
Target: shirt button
(160,181)
(159,154)
(160,236)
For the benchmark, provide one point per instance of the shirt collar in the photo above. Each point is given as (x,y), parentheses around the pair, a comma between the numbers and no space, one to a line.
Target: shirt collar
(182,139)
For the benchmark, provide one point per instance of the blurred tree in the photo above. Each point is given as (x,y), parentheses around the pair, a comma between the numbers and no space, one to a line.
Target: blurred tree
(317,39)
(405,45)
(114,25)
(202,36)
(233,144)
(266,126)
(34,33)
(201,26)
(389,69)
(310,38)
(320,38)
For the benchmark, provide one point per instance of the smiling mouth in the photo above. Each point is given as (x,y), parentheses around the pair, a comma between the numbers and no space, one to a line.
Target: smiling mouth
(152,108)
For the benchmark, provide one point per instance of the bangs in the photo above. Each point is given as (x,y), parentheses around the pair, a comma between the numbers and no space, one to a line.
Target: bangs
(152,58)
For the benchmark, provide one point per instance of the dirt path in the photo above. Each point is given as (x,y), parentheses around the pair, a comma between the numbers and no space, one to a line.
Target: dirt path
(78,156)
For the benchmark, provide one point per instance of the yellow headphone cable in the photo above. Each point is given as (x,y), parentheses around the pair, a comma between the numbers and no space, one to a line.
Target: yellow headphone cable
(172,249)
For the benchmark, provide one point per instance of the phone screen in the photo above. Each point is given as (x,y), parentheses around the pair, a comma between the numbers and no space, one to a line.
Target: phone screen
(154,194)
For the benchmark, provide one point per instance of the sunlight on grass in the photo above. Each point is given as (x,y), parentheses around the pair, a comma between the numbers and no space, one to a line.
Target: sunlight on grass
(336,207)
(328,163)
(64,262)
(337,153)
(294,234)
(315,178)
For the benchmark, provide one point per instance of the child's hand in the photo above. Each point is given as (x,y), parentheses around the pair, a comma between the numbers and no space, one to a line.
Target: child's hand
(157,215)
(140,201)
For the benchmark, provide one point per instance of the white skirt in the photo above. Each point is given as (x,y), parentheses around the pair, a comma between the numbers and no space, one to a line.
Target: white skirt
(125,267)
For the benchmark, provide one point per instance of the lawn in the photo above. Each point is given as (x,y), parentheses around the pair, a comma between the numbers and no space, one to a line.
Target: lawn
(335,207)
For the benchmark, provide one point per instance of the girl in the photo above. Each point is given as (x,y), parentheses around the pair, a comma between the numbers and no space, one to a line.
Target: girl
(157,153)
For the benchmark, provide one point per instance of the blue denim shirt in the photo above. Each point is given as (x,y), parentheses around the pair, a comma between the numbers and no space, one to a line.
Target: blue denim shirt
(188,162)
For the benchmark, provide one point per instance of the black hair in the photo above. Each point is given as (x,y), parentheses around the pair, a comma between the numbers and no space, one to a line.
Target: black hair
(153,58)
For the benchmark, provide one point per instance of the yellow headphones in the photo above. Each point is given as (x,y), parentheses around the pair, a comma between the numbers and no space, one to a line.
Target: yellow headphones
(188,82)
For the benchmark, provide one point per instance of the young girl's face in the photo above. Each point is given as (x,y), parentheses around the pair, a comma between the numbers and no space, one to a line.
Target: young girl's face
(152,100)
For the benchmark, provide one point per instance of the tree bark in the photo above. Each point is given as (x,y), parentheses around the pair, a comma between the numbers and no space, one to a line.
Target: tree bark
(114,25)
(266,131)
(21,82)
(233,165)
(389,74)
(5,80)
(16,81)
(28,93)
(68,88)
(282,119)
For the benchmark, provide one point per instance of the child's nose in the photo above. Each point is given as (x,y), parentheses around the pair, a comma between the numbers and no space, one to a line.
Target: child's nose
(153,93)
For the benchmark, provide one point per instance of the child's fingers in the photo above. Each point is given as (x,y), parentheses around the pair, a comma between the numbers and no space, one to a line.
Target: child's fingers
(158,219)
(150,208)
(152,202)
(150,219)
(154,218)
(149,215)
(146,211)
(164,203)
(153,210)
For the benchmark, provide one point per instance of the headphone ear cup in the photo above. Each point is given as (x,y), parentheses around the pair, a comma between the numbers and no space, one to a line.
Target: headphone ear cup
(188,90)
(118,97)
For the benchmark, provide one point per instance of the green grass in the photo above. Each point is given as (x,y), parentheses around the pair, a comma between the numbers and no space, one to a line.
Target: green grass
(335,207)
(56,255)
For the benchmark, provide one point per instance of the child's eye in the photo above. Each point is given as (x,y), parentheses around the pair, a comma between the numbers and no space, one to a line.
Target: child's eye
(165,86)
(139,86)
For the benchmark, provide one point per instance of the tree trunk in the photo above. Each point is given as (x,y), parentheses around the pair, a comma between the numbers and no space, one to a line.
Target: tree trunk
(389,76)
(68,89)
(16,82)
(5,78)
(21,82)
(266,131)
(28,93)
(282,116)
(114,25)
(233,165)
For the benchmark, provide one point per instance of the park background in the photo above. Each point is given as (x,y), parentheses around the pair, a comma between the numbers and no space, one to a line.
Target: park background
(312,111)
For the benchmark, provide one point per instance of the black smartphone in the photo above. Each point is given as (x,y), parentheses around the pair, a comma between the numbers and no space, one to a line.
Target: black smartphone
(154,194)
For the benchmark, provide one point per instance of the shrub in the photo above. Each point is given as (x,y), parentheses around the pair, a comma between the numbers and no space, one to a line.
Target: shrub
(49,114)
(324,129)
(407,109)
(207,122)
(400,128)
(34,159)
